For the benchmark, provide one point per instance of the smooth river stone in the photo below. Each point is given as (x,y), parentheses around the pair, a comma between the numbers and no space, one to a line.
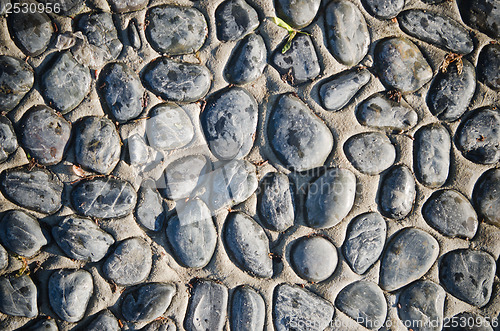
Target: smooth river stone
(192,234)
(133,34)
(207,307)
(276,202)
(380,112)
(183,175)
(248,310)
(177,81)
(66,83)
(408,256)
(422,303)
(149,211)
(437,29)
(130,263)
(16,79)
(401,65)
(364,241)
(36,189)
(330,198)
(235,19)
(46,325)
(297,13)
(397,192)
(229,123)
(482,15)
(125,6)
(450,92)
(247,245)
(31,30)
(169,127)
(21,233)
(486,196)
(347,33)
(175,30)
(82,239)
(296,308)
(45,134)
(104,321)
(18,296)
(364,302)
(488,66)
(451,213)
(97,144)
(300,63)
(470,322)
(370,152)
(478,137)
(4,259)
(101,32)
(313,258)
(8,139)
(247,61)
(147,302)
(340,89)
(468,275)
(300,139)
(384,9)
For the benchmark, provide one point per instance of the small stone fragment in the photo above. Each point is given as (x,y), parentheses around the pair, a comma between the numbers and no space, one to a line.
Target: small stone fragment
(340,89)
(133,34)
(397,192)
(488,66)
(486,196)
(31,31)
(298,14)
(101,32)
(482,15)
(313,258)
(248,310)
(18,296)
(8,139)
(16,79)
(45,325)
(125,6)
(169,127)
(473,322)
(207,307)
(276,202)
(384,9)
(183,175)
(4,259)
(370,152)
(247,62)
(235,19)
(149,210)
(147,302)
(104,321)
(21,233)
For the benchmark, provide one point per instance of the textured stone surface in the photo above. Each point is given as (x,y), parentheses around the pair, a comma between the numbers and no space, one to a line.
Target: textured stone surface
(313,258)
(31,30)
(169,127)
(43,325)
(397,192)
(149,211)
(486,196)
(133,34)
(21,233)
(235,19)
(16,79)
(4,258)
(101,32)
(147,302)
(297,13)
(341,88)
(125,6)
(276,202)
(248,310)
(183,175)
(384,9)
(483,15)
(247,62)
(467,321)
(160,325)
(104,321)
(18,296)
(370,153)
(207,307)
(8,139)
(488,66)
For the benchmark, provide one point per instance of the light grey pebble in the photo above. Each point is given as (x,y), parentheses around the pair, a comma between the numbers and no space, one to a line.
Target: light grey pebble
(313,258)
(4,259)
(488,66)
(18,296)
(276,202)
(184,175)
(8,139)
(298,14)
(21,233)
(235,19)
(133,35)
(147,302)
(248,310)
(370,152)
(44,325)
(31,30)
(149,211)
(338,91)
(207,309)
(397,192)
(486,196)
(141,154)
(169,127)
(101,32)
(16,79)
(384,9)
(468,321)
(104,321)
(483,15)
(247,62)
(125,6)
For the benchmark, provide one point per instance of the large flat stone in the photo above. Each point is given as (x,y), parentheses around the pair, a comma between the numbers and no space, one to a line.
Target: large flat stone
(338,91)
(397,192)
(207,308)
(486,196)
(248,60)
(313,258)
(248,310)
(16,79)
(18,296)
(31,30)
(370,152)
(235,19)
(276,202)
(21,233)
(147,302)
(169,127)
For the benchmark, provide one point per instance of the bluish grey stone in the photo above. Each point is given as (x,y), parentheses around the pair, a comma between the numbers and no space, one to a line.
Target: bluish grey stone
(364,241)
(21,233)
(247,245)
(4,259)
(364,302)
(408,256)
(207,307)
(31,30)
(149,211)
(44,134)
(235,19)
(247,62)
(176,30)
(397,192)
(67,7)
(183,175)
(125,6)
(482,15)
(103,197)
(69,293)
(370,152)
(468,275)
(18,296)
(347,32)
(299,13)
(486,196)
(330,198)
(141,154)
(340,89)
(401,65)
(313,258)
(384,9)
(147,302)
(8,139)
(229,122)
(130,263)
(276,202)
(101,32)
(43,325)
(16,79)
(82,239)
(104,321)
(169,127)
(133,34)
(488,66)
(432,153)
(467,321)
(299,138)
(248,310)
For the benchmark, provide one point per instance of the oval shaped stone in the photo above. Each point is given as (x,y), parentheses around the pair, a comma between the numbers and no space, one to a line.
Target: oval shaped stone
(183,175)
(397,192)
(21,233)
(488,66)
(299,138)
(473,322)
(478,137)
(298,14)
(45,134)
(36,189)
(133,34)
(248,310)
(103,197)
(16,78)
(8,139)
(313,258)
(338,91)
(408,256)
(370,152)
(432,153)
(31,31)
(330,198)
(192,234)
(437,29)
(207,307)
(276,202)
(149,211)
(347,32)
(380,112)
(4,258)
(125,6)
(186,26)
(69,293)
(104,321)
(169,127)
(482,15)
(486,196)
(247,245)
(97,144)
(247,62)
(364,302)
(401,65)
(364,241)
(450,213)
(177,81)
(66,83)
(468,275)
(130,263)
(18,296)
(147,302)
(229,122)
(101,32)
(384,9)
(235,19)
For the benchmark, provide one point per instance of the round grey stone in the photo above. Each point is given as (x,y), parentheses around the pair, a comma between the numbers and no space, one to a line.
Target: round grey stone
(248,310)
(149,211)
(185,174)
(8,139)
(125,6)
(235,19)
(169,127)
(482,15)
(488,66)
(207,307)
(43,325)
(31,31)
(486,196)
(4,259)
(147,302)
(384,9)
(21,233)
(397,192)
(313,258)
(16,79)
(370,152)
(276,202)
(18,296)
(338,91)
(101,32)
(104,321)
(247,62)
(469,322)
(298,14)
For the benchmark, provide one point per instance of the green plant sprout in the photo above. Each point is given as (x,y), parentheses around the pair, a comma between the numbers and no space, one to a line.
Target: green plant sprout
(292,32)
